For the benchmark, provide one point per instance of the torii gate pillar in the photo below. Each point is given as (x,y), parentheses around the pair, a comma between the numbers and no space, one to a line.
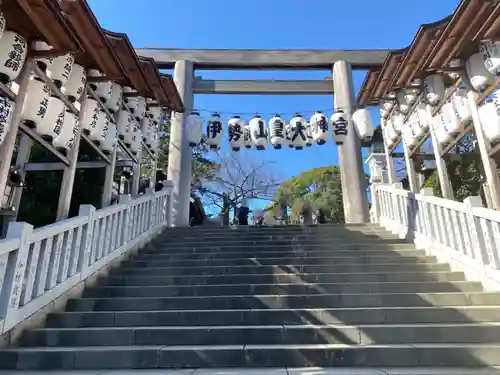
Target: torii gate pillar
(179,152)
(350,158)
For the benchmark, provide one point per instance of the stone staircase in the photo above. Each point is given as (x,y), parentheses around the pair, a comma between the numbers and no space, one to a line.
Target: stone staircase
(341,296)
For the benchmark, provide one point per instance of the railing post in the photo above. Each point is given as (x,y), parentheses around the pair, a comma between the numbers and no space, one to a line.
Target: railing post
(169,186)
(427,192)
(125,199)
(87,238)
(150,192)
(475,234)
(396,219)
(10,294)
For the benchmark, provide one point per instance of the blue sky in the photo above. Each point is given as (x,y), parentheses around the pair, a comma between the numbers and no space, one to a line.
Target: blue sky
(279,24)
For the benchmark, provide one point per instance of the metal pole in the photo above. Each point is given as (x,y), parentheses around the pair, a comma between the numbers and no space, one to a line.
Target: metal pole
(350,158)
(7,148)
(179,157)
(68,178)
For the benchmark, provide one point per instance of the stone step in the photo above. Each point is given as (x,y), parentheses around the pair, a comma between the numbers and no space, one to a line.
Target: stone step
(365,315)
(303,254)
(211,248)
(290,236)
(281,278)
(472,333)
(290,268)
(185,356)
(280,289)
(283,302)
(250,261)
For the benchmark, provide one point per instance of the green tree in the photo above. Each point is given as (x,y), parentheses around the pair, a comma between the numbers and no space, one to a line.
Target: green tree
(317,187)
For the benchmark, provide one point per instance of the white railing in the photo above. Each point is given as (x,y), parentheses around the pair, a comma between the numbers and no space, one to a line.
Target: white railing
(466,235)
(39,265)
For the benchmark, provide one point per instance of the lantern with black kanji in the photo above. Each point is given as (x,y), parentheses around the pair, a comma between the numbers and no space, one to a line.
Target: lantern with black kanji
(247,137)
(288,135)
(309,135)
(490,53)
(490,121)
(155,113)
(235,127)
(194,129)
(3,22)
(60,69)
(53,122)
(258,132)
(479,77)
(340,126)
(98,134)
(63,141)
(75,85)
(130,134)
(319,128)
(108,145)
(136,144)
(434,89)
(90,116)
(36,102)
(137,105)
(42,62)
(363,124)
(277,132)
(214,132)
(6,109)
(298,132)
(115,99)
(124,123)
(13,51)
(441,124)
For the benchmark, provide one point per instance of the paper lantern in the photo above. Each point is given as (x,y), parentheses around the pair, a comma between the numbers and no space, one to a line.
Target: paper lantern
(383,113)
(136,144)
(194,128)
(155,113)
(13,51)
(422,117)
(258,132)
(409,137)
(3,22)
(455,63)
(298,132)
(75,85)
(288,135)
(479,77)
(108,145)
(63,142)
(137,105)
(389,142)
(115,99)
(127,90)
(99,133)
(235,127)
(60,69)
(434,89)
(128,137)
(490,53)
(90,116)
(441,124)
(309,134)
(403,104)
(398,122)
(363,124)
(418,130)
(153,129)
(214,132)
(146,127)
(124,123)
(52,124)
(387,105)
(490,122)
(277,132)
(247,138)
(340,126)
(154,143)
(391,131)
(36,102)
(6,110)
(42,62)
(319,128)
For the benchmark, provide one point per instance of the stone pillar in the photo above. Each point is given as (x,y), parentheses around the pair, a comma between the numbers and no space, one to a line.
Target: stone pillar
(350,158)
(180,155)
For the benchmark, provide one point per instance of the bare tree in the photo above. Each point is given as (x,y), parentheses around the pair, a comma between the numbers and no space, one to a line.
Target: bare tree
(237,179)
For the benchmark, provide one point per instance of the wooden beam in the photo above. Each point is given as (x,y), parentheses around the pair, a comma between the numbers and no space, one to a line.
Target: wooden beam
(214,59)
(298,87)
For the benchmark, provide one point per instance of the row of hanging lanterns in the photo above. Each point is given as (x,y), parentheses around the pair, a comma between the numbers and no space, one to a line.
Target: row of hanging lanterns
(137,118)
(297,133)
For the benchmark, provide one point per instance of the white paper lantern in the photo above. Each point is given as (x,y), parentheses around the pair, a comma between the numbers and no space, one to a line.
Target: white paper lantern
(127,90)
(129,135)
(136,144)
(391,131)
(288,135)
(455,63)
(90,116)
(63,141)
(309,134)
(99,133)
(409,137)
(417,127)
(155,113)
(480,78)
(154,143)
(235,127)
(52,124)
(490,53)
(137,105)
(434,89)
(108,145)
(214,132)
(42,62)
(124,123)
(194,128)
(115,99)
(404,105)
(490,121)
(363,124)
(398,122)
(453,125)
(150,136)
(60,69)
(3,22)
(319,128)
(277,132)
(13,51)
(441,124)
(6,110)
(247,137)
(387,105)
(75,85)
(460,103)
(387,136)
(340,126)
(298,132)
(145,127)
(258,132)
(383,113)
(36,102)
